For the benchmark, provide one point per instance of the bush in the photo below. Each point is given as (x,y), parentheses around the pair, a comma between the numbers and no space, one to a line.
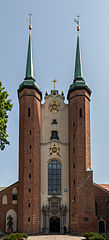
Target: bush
(97,237)
(19,235)
(16,236)
(10,238)
(87,235)
(93,236)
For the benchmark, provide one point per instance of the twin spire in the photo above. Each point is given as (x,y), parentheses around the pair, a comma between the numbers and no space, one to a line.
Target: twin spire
(29,66)
(78,82)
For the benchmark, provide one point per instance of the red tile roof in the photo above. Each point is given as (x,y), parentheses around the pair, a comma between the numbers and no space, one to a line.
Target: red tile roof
(105,186)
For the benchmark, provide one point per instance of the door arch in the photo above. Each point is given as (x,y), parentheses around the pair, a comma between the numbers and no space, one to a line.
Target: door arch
(101,226)
(13,214)
(54,224)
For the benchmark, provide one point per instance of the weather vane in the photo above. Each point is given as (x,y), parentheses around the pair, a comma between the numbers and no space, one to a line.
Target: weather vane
(77,22)
(29,20)
(54,82)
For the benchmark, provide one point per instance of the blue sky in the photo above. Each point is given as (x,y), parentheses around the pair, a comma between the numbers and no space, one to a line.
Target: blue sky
(54,47)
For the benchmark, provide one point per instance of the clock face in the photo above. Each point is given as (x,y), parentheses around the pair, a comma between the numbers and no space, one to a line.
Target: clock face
(54,106)
(54,149)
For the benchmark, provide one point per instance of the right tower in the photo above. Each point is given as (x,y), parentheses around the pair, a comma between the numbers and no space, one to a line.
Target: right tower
(81,195)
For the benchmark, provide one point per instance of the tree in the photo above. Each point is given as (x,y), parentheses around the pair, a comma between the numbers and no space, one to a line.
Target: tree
(10,223)
(5,105)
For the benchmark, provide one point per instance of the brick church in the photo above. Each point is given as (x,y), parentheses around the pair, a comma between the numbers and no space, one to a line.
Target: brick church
(55,188)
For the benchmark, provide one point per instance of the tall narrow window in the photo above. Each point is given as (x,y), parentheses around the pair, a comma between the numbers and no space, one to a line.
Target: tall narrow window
(54,135)
(54,177)
(80,112)
(74,136)
(29,175)
(29,219)
(73,165)
(29,112)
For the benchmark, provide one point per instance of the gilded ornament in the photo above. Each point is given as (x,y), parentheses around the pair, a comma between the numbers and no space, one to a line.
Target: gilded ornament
(54,106)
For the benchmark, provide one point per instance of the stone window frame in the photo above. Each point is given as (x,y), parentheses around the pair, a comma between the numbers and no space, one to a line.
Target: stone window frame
(58,180)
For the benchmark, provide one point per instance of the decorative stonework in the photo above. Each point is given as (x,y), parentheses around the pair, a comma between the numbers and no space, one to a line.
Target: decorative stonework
(54,149)
(54,106)
(54,209)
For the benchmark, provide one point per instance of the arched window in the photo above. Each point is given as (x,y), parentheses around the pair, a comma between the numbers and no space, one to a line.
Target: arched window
(14,195)
(54,177)
(107,209)
(4,200)
(54,135)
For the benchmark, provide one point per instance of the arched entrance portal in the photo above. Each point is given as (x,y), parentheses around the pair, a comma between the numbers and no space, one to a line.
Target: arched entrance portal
(54,224)
(101,226)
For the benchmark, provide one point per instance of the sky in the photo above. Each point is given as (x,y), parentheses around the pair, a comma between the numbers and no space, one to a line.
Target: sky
(54,39)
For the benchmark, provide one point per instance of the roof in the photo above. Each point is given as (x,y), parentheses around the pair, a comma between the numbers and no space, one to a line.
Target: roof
(29,65)
(78,62)
(78,83)
(1,188)
(105,186)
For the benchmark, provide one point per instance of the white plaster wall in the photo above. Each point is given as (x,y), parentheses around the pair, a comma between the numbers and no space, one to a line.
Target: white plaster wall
(62,128)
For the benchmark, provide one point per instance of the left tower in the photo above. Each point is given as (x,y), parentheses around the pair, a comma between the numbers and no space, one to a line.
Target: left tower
(30,96)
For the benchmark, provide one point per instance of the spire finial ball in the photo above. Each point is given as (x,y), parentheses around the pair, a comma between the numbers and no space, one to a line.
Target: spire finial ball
(30,27)
(78,28)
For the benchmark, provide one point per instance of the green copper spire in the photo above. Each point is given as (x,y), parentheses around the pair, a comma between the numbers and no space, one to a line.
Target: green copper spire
(78,62)
(29,66)
(29,81)
(78,82)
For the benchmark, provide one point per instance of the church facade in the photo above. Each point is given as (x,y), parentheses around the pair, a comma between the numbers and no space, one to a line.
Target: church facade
(55,189)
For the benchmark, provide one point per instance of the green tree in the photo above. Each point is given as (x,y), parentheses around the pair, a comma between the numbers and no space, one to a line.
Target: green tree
(5,105)
(10,223)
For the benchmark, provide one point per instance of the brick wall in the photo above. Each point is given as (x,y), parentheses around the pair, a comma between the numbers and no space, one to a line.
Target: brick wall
(29,162)
(5,207)
(102,201)
(82,207)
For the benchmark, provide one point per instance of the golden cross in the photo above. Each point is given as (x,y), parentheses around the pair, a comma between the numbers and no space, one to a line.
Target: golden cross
(54,82)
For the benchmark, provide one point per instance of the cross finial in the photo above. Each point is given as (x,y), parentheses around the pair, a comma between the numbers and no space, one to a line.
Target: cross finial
(54,82)
(29,20)
(77,22)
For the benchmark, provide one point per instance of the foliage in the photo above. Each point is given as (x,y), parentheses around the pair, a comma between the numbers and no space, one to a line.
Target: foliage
(10,221)
(93,236)
(87,235)
(16,236)
(5,105)
(97,237)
